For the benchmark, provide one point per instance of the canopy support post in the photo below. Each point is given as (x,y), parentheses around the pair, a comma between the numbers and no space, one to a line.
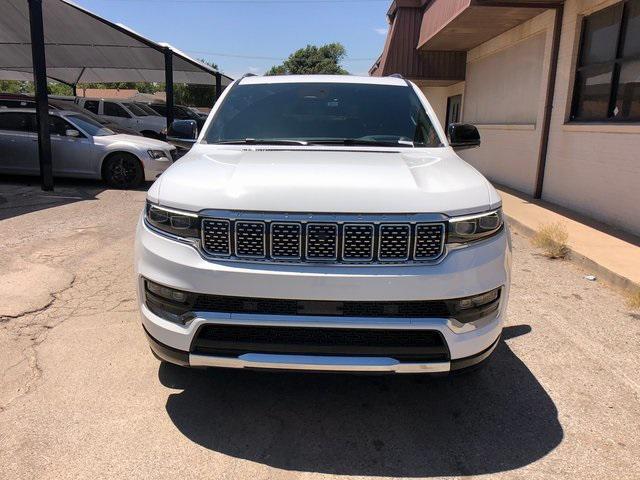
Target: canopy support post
(168,84)
(42,99)
(218,85)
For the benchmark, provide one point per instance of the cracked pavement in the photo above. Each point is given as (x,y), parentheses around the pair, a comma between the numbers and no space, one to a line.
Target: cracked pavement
(82,397)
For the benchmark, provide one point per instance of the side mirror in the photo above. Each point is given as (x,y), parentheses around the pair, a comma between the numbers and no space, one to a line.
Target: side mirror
(183,133)
(463,135)
(72,133)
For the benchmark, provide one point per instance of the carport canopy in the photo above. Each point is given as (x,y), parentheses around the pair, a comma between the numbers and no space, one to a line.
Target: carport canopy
(60,40)
(82,47)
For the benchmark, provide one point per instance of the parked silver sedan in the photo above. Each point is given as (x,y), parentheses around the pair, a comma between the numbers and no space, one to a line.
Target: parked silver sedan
(81,147)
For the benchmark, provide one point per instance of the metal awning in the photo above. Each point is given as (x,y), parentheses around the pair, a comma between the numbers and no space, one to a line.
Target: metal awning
(460,25)
(82,47)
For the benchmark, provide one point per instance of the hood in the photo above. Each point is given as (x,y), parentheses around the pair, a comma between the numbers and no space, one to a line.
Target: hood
(324,181)
(138,141)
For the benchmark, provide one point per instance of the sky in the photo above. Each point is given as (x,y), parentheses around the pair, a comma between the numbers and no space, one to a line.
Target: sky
(249,36)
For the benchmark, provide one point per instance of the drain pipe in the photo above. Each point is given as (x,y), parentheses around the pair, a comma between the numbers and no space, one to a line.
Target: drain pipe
(548,106)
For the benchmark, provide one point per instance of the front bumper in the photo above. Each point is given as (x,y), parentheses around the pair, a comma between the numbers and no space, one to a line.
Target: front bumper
(464,272)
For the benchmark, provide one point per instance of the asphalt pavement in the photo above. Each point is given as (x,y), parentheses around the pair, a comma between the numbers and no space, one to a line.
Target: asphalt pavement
(81,396)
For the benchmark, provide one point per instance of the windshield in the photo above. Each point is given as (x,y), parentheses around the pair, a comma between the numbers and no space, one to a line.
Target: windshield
(323,113)
(91,127)
(136,110)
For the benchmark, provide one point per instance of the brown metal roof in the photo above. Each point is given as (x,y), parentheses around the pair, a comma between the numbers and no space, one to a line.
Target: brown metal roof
(400,54)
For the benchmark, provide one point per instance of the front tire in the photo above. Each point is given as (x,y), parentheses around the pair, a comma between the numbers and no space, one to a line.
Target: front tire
(122,171)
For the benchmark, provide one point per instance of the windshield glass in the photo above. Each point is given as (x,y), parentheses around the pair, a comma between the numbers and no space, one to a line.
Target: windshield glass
(323,113)
(136,110)
(91,127)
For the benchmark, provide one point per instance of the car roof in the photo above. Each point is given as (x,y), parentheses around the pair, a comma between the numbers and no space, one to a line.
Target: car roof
(60,113)
(352,79)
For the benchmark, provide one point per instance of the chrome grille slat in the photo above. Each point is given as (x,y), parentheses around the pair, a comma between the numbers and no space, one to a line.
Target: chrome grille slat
(281,239)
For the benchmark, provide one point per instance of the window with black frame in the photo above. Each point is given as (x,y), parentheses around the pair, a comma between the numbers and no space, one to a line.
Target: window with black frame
(607,84)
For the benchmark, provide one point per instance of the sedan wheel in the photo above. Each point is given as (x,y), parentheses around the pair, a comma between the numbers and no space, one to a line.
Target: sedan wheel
(123,170)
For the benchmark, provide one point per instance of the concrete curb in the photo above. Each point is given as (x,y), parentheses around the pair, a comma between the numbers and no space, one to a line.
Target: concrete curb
(602,273)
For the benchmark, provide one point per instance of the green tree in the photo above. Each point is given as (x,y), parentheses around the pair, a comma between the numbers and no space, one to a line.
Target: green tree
(313,60)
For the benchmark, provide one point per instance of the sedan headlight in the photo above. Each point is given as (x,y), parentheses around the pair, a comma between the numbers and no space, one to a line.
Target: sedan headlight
(474,227)
(180,224)
(158,154)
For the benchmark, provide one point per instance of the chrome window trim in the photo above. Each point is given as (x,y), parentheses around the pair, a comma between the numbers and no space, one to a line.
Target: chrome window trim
(373,241)
(203,243)
(279,257)
(382,225)
(306,243)
(264,239)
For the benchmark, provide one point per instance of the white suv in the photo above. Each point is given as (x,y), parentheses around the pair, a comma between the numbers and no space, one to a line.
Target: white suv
(324,223)
(128,115)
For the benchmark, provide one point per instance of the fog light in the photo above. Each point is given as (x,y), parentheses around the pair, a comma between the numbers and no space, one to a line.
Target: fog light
(478,300)
(474,308)
(169,303)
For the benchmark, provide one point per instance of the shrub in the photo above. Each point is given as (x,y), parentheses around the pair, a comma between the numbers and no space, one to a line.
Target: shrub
(552,238)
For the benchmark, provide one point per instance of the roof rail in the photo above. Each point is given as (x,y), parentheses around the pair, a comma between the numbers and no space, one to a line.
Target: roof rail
(396,75)
(249,75)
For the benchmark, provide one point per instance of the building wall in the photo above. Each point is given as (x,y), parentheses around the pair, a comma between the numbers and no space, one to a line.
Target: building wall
(592,169)
(438,96)
(505,95)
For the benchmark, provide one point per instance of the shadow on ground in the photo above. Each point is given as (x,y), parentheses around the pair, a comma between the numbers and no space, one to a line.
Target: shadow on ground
(496,419)
(21,194)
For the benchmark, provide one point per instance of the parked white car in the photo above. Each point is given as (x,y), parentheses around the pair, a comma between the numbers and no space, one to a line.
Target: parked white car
(128,114)
(81,147)
(324,223)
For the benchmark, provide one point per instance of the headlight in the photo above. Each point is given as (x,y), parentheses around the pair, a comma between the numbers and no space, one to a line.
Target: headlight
(181,224)
(158,154)
(474,227)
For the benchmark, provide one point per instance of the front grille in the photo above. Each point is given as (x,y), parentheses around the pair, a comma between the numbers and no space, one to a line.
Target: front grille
(327,242)
(235,340)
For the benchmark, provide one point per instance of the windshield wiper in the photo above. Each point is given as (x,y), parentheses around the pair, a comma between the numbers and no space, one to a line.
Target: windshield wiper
(363,142)
(261,141)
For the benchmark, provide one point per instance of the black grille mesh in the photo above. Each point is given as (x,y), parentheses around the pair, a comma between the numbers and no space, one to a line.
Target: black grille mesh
(429,239)
(358,242)
(235,340)
(250,239)
(394,242)
(268,306)
(215,234)
(322,241)
(285,240)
